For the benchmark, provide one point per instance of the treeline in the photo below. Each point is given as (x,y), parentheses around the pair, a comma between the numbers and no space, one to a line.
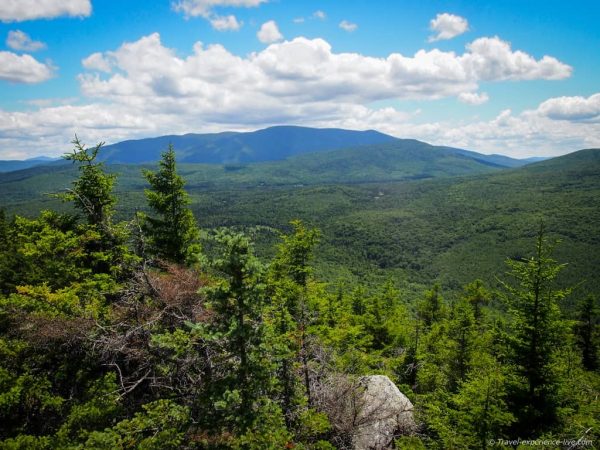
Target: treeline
(128,336)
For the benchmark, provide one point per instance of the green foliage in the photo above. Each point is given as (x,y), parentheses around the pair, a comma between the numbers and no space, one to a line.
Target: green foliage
(92,192)
(418,232)
(587,330)
(536,333)
(237,299)
(98,351)
(172,233)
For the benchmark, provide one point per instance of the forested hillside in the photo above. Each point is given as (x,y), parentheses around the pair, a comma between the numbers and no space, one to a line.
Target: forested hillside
(158,327)
(442,218)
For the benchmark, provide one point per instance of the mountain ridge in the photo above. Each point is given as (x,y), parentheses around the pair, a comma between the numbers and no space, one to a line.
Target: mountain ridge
(275,143)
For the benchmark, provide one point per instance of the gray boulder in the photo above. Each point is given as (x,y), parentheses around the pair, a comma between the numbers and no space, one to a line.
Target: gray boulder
(382,414)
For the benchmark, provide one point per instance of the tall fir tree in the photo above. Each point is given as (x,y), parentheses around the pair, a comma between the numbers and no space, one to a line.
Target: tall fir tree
(92,192)
(172,231)
(237,300)
(290,272)
(536,333)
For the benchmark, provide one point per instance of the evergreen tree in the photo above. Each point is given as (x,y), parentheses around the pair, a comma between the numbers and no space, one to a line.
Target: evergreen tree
(462,341)
(92,192)
(237,299)
(431,308)
(172,233)
(587,330)
(291,270)
(480,405)
(476,294)
(536,333)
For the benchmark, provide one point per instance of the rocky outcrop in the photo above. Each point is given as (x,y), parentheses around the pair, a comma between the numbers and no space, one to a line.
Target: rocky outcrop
(382,414)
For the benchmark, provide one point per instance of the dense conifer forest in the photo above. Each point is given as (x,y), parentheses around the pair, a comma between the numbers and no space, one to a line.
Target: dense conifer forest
(144,330)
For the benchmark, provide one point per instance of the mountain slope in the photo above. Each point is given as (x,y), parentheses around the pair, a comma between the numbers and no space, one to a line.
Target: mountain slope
(450,230)
(400,159)
(11,165)
(270,144)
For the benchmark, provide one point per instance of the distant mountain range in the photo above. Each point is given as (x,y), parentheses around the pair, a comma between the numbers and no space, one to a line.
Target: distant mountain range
(16,164)
(270,144)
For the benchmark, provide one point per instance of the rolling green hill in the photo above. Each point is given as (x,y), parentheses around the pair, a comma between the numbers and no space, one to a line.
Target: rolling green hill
(398,160)
(415,213)
(450,230)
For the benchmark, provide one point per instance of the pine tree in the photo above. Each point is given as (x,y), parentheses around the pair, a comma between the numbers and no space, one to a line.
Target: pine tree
(431,308)
(172,233)
(92,194)
(93,191)
(587,331)
(291,270)
(462,340)
(238,300)
(535,335)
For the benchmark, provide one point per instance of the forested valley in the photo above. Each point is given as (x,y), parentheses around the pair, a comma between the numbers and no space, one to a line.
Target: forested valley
(146,331)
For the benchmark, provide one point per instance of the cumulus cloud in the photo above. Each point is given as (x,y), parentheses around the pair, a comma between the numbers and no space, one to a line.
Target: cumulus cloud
(225,23)
(319,15)
(144,88)
(447,26)
(23,68)
(205,9)
(21,10)
(269,33)
(348,26)
(98,61)
(17,40)
(473,98)
(572,108)
(493,59)
(519,135)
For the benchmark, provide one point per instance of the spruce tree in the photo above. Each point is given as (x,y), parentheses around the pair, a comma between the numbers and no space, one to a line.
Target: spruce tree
(237,302)
(290,272)
(535,335)
(587,330)
(172,231)
(92,192)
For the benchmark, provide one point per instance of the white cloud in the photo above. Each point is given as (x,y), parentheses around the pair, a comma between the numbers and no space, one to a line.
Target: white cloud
(20,10)
(98,61)
(298,20)
(348,26)
(225,23)
(17,40)
(572,108)
(447,26)
(23,68)
(493,59)
(523,135)
(269,33)
(319,15)
(204,8)
(143,88)
(473,98)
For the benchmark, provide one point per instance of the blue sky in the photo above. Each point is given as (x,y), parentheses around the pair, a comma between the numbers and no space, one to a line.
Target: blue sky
(510,76)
